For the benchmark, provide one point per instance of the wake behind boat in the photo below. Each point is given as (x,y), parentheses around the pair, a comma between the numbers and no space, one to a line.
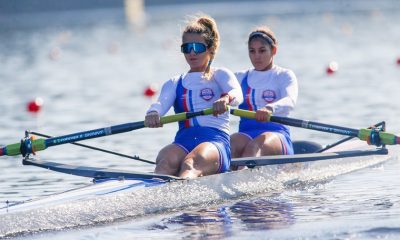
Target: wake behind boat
(117,195)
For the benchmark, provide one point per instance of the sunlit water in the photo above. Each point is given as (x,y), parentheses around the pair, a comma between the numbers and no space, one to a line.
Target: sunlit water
(93,76)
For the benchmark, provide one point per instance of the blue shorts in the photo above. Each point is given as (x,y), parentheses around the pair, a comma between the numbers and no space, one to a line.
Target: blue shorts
(287,146)
(189,138)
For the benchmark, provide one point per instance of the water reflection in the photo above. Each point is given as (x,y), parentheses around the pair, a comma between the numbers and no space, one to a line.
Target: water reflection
(203,224)
(264,214)
(222,222)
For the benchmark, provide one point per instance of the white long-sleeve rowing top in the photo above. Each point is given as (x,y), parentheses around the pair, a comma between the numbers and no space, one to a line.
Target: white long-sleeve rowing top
(193,92)
(276,88)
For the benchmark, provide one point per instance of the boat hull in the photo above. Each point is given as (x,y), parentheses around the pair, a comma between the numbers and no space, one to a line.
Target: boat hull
(120,199)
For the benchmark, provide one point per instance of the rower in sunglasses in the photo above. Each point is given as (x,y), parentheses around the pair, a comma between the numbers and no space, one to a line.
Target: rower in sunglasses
(195,46)
(201,146)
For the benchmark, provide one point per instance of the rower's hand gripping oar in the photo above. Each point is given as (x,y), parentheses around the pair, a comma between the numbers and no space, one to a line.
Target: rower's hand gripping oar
(29,145)
(372,136)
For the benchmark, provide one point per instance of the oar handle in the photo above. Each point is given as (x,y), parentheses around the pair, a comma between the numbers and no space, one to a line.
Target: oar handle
(184,116)
(370,135)
(246,114)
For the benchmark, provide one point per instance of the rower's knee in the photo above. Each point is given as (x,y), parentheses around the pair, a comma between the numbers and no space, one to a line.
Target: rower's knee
(187,165)
(167,165)
(236,151)
(238,143)
(263,145)
(169,159)
(252,149)
(188,170)
(164,167)
(272,145)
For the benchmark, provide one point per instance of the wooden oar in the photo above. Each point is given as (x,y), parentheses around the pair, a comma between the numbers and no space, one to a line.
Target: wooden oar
(28,146)
(370,135)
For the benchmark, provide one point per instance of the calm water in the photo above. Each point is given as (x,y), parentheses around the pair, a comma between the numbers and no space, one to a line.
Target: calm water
(93,75)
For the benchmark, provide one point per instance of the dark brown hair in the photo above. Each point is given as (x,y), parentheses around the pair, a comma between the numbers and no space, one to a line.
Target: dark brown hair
(264,33)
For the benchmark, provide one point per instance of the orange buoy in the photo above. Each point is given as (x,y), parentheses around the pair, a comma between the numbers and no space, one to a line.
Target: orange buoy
(35,105)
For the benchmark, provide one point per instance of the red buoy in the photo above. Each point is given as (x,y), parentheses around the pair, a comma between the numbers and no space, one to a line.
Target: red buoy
(150,90)
(35,105)
(398,61)
(332,68)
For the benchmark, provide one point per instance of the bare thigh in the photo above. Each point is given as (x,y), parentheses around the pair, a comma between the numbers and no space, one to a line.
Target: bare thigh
(268,143)
(169,160)
(238,144)
(202,161)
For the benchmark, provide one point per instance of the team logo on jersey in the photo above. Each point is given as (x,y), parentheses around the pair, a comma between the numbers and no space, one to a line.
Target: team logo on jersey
(206,94)
(269,96)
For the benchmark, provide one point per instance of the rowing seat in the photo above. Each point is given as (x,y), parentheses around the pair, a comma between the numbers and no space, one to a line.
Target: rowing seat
(302,147)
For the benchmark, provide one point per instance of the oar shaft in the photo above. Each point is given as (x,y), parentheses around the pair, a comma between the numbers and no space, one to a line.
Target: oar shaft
(41,144)
(135,157)
(100,132)
(121,128)
(315,126)
(299,123)
(364,134)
